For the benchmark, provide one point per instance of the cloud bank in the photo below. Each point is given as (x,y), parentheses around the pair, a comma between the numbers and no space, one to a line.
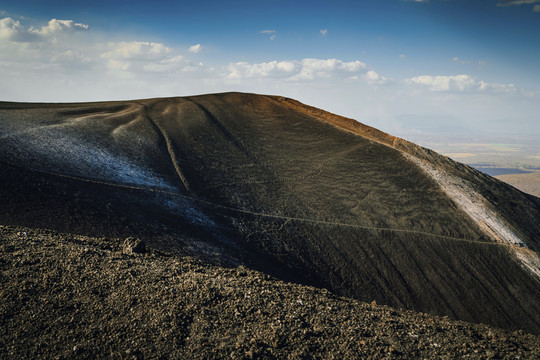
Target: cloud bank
(12,30)
(516,2)
(272,33)
(58,26)
(195,48)
(459,83)
(535,8)
(305,69)
(152,64)
(136,50)
(65,61)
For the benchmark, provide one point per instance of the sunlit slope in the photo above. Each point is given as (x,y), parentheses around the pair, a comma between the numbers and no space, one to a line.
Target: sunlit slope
(288,189)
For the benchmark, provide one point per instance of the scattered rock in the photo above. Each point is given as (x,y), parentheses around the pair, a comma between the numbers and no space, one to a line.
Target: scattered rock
(94,303)
(133,246)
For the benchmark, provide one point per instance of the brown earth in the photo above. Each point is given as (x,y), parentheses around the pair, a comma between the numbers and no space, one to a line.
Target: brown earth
(65,296)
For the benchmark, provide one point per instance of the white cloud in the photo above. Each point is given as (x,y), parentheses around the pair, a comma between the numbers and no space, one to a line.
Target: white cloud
(138,57)
(57,26)
(273,68)
(444,83)
(372,77)
(310,69)
(118,65)
(305,69)
(171,64)
(516,2)
(324,32)
(460,61)
(535,8)
(52,50)
(195,48)
(402,56)
(499,88)
(10,28)
(174,60)
(193,68)
(136,50)
(480,63)
(71,58)
(272,33)
(459,83)
(13,30)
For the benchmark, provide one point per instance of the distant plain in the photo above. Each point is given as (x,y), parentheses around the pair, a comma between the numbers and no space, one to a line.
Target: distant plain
(512,159)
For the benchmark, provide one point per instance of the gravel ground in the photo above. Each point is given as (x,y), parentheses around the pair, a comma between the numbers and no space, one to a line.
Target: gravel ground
(70,296)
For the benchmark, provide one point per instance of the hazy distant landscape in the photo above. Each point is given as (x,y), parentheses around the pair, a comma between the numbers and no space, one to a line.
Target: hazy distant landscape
(515,160)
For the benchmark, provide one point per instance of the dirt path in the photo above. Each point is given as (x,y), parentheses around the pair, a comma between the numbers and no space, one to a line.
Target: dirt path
(264,215)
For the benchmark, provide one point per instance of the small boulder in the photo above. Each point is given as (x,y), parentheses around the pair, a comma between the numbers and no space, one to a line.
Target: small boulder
(134,246)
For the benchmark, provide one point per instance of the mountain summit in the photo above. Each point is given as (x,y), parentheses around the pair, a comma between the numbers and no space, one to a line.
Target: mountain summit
(280,187)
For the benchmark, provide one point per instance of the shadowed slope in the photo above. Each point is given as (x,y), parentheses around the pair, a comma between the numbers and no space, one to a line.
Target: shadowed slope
(285,188)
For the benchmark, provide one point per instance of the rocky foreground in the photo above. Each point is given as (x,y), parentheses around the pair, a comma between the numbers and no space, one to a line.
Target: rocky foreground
(69,296)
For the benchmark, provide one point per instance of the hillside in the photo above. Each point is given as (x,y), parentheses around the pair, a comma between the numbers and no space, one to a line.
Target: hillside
(282,188)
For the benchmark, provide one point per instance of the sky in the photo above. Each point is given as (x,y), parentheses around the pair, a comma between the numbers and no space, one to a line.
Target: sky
(405,67)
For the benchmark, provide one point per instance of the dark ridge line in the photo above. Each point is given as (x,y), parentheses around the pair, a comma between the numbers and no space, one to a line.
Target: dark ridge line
(169,145)
(253,213)
(226,133)
(88,111)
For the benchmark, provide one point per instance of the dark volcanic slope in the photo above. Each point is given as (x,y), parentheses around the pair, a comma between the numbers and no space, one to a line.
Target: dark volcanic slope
(284,188)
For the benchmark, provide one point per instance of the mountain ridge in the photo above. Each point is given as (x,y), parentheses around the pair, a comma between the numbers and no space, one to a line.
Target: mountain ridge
(253,180)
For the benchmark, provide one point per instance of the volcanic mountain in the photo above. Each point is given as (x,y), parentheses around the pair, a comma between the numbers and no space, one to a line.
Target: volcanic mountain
(283,188)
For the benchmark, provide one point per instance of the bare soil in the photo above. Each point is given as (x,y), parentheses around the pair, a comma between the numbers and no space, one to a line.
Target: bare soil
(67,296)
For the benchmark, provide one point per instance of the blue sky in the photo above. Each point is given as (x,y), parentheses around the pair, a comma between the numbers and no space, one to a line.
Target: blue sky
(455,66)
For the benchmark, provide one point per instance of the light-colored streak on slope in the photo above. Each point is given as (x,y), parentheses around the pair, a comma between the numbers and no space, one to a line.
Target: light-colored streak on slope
(473,203)
(63,146)
(459,191)
(530,259)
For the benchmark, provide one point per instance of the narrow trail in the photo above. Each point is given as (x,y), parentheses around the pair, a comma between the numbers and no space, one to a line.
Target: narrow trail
(258,214)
